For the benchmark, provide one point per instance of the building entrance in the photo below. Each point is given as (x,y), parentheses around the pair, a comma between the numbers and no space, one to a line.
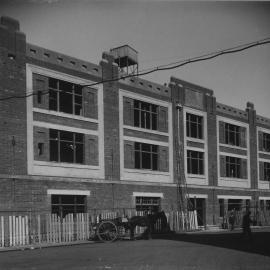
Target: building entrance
(198,204)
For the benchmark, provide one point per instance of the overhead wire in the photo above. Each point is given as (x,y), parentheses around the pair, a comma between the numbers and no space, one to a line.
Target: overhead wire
(169,66)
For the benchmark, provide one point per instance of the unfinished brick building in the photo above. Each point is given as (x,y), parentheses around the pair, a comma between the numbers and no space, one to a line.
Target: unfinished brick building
(76,145)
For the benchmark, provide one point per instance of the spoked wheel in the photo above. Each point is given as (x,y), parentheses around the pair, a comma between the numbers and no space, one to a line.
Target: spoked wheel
(107,231)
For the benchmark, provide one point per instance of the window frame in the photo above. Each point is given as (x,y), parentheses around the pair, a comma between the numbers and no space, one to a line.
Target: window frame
(233,161)
(200,169)
(151,113)
(141,203)
(266,169)
(266,142)
(140,155)
(199,126)
(58,92)
(60,206)
(59,144)
(232,134)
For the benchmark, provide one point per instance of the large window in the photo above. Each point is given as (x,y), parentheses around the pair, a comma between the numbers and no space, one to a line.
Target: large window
(266,167)
(266,142)
(195,164)
(145,115)
(65,97)
(232,134)
(146,156)
(194,126)
(149,204)
(67,204)
(66,146)
(233,167)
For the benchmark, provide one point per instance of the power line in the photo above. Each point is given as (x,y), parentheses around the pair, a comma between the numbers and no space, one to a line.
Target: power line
(169,66)
(190,60)
(212,53)
(26,96)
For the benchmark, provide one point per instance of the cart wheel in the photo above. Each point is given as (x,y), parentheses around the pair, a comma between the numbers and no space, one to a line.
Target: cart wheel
(107,231)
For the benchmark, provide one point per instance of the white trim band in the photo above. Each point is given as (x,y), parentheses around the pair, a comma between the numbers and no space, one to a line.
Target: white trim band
(264,198)
(67,192)
(147,194)
(198,196)
(234,197)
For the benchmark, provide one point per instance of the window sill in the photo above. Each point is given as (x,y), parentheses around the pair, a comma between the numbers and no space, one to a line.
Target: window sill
(233,179)
(191,139)
(201,176)
(264,181)
(233,146)
(65,165)
(66,115)
(146,130)
(264,152)
(142,171)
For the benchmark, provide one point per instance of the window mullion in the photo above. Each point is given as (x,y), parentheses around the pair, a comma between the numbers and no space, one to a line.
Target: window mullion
(58,146)
(140,152)
(151,157)
(58,96)
(73,99)
(150,116)
(74,148)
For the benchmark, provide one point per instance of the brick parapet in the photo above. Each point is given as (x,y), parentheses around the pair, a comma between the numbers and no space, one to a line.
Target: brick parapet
(52,58)
(62,69)
(263,122)
(231,112)
(146,87)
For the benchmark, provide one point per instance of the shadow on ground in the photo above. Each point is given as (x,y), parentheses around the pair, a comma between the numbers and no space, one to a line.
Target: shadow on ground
(260,242)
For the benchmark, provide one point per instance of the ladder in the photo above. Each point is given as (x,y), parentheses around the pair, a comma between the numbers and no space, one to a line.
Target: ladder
(183,201)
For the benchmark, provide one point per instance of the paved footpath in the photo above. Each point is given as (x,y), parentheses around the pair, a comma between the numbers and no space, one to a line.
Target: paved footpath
(205,251)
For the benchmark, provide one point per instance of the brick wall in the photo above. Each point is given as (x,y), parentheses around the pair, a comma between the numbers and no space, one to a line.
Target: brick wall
(253,145)
(22,192)
(111,118)
(30,194)
(12,111)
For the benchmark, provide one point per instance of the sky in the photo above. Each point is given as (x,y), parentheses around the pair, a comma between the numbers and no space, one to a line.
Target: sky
(162,32)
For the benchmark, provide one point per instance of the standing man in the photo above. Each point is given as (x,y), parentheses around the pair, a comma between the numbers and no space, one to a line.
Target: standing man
(246,225)
(232,219)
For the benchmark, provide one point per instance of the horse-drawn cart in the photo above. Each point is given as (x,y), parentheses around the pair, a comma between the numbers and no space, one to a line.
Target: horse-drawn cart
(113,229)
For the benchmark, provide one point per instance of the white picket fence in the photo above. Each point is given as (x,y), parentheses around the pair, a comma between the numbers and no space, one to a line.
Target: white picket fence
(22,230)
(14,231)
(180,221)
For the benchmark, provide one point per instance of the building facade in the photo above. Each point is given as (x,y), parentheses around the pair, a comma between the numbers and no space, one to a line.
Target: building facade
(72,144)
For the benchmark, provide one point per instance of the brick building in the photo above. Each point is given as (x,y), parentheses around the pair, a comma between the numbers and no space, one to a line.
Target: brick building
(75,145)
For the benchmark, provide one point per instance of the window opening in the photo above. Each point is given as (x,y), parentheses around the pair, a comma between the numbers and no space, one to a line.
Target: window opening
(68,204)
(66,146)
(232,134)
(146,156)
(149,204)
(194,126)
(267,204)
(266,142)
(266,168)
(233,167)
(39,97)
(195,163)
(145,115)
(40,149)
(221,207)
(65,97)
(234,204)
